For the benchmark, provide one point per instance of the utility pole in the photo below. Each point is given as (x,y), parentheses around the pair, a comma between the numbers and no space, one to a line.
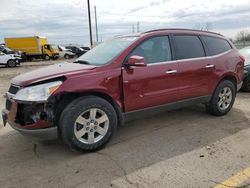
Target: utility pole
(90,29)
(138,27)
(96,26)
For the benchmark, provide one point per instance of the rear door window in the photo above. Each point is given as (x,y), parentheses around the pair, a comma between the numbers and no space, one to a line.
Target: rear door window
(215,45)
(188,46)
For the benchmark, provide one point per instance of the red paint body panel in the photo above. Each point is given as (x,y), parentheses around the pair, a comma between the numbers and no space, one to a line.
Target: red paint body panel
(53,71)
(194,78)
(99,80)
(150,86)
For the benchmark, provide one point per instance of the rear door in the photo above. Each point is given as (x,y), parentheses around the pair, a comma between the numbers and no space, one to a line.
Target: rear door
(196,70)
(155,84)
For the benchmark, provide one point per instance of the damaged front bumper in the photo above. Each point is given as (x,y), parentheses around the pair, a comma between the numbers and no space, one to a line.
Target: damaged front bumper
(39,129)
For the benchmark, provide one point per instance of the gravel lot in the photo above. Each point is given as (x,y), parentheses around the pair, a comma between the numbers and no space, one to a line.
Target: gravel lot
(181,148)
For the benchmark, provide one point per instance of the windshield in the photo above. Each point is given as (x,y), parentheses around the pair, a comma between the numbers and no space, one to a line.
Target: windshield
(105,52)
(62,48)
(54,47)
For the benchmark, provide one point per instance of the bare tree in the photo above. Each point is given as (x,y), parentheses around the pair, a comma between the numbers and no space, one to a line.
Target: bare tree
(208,26)
(243,36)
(204,27)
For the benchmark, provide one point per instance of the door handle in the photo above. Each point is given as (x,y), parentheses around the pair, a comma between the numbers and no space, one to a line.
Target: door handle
(209,66)
(171,72)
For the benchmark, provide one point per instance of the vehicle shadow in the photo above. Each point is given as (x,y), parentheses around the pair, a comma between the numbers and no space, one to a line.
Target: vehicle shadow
(139,143)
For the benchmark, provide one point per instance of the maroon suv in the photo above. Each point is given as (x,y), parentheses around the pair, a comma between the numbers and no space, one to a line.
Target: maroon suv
(83,102)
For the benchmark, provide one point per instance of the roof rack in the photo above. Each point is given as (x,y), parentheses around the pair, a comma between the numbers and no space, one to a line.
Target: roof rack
(182,30)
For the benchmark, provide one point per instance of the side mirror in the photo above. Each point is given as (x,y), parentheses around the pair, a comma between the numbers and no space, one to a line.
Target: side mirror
(136,61)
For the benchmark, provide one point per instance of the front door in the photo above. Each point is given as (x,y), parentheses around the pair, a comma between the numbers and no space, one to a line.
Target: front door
(155,84)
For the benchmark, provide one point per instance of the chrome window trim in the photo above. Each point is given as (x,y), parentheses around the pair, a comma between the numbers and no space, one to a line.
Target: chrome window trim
(190,59)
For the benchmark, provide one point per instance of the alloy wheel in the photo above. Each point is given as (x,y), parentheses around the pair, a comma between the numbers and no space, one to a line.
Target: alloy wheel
(11,63)
(225,98)
(91,126)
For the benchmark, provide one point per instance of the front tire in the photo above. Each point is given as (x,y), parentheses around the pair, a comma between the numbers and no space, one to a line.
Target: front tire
(222,99)
(66,56)
(88,123)
(11,63)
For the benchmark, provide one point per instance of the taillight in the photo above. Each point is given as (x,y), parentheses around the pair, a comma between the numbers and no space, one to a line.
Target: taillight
(242,58)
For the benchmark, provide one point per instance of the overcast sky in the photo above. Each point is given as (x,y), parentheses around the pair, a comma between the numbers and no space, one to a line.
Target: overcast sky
(65,21)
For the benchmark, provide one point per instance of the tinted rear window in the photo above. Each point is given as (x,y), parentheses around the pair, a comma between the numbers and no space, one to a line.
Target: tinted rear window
(215,45)
(187,46)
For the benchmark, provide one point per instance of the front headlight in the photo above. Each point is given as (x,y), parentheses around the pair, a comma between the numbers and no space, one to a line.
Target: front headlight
(38,93)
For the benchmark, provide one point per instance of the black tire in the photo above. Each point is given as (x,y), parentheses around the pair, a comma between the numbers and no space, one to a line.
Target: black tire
(46,57)
(55,57)
(246,84)
(66,56)
(213,107)
(11,63)
(74,110)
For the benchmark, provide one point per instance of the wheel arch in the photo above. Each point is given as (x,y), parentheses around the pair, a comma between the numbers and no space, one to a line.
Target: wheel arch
(231,78)
(10,60)
(228,76)
(64,99)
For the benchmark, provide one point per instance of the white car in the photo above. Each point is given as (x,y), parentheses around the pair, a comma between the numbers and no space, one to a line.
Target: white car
(65,53)
(9,60)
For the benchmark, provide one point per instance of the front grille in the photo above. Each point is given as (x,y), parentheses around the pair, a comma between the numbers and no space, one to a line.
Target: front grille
(8,104)
(13,89)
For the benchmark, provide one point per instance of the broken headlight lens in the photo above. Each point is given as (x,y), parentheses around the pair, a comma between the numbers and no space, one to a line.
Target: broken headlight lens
(38,93)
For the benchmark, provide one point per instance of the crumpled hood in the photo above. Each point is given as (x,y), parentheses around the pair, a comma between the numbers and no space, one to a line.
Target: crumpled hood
(50,72)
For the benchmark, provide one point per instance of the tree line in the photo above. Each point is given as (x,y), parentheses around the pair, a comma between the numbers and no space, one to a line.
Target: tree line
(242,36)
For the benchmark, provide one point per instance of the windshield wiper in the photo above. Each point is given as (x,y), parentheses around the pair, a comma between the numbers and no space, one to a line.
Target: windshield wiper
(82,62)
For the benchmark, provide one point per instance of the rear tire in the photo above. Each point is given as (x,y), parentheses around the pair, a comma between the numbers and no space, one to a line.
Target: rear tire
(88,123)
(223,99)
(11,63)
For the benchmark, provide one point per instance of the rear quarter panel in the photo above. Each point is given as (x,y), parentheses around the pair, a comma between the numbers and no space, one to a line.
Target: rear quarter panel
(228,64)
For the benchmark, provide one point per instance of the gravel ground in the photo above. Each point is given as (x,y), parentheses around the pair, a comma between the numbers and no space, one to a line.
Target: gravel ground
(181,148)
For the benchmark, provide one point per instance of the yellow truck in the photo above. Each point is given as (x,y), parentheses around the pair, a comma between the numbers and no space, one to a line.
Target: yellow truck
(33,47)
